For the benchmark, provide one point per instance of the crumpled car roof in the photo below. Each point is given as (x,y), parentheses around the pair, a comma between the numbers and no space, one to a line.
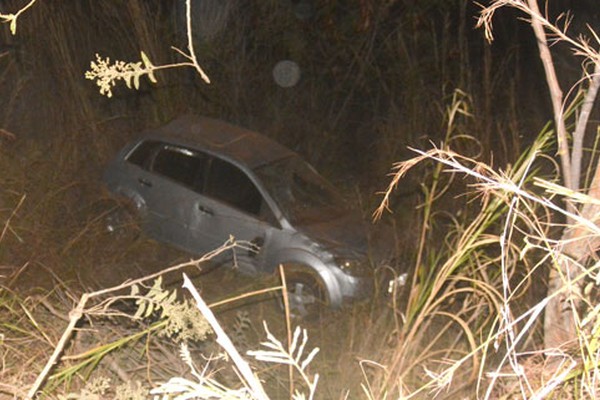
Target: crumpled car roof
(243,145)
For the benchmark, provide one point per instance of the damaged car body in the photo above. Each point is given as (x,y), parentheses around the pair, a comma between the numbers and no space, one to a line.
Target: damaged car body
(197,181)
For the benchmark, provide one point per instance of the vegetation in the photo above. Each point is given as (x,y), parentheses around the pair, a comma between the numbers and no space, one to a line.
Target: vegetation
(86,316)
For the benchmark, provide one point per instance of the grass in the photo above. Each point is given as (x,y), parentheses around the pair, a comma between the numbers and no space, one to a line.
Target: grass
(469,322)
(88,358)
(446,336)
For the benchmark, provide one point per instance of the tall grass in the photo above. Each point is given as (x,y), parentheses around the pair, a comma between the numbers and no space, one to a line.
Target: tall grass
(454,294)
(369,85)
(489,268)
(457,326)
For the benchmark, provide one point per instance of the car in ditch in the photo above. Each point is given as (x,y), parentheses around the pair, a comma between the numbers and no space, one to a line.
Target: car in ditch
(197,181)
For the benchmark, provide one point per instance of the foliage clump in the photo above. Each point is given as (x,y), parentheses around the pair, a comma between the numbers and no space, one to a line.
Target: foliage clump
(107,74)
(181,319)
(185,322)
(94,389)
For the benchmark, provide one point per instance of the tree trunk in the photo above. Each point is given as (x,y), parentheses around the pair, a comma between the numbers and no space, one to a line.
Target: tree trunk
(560,322)
(560,328)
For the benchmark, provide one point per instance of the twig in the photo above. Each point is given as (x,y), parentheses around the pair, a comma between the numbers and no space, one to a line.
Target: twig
(76,314)
(556,96)
(16,391)
(12,18)
(3,132)
(288,324)
(582,121)
(6,225)
(192,55)
(245,295)
(244,368)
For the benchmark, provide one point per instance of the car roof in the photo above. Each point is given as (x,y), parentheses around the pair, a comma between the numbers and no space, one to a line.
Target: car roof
(245,146)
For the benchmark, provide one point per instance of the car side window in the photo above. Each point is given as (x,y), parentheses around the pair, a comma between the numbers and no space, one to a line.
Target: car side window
(181,165)
(229,184)
(142,153)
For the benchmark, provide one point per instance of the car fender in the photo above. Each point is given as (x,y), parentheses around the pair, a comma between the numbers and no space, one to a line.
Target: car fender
(312,264)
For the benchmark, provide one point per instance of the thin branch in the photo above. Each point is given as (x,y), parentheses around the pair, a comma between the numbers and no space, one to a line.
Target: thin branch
(76,314)
(192,55)
(12,18)
(244,368)
(582,121)
(12,214)
(556,94)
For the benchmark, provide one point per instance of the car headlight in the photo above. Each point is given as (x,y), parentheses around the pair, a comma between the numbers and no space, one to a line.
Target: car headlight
(356,268)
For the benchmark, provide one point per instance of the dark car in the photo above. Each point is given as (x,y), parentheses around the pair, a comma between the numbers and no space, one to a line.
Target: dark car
(197,181)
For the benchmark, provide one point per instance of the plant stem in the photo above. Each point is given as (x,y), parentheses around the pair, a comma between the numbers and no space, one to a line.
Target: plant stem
(556,96)
(76,314)
(243,367)
(582,121)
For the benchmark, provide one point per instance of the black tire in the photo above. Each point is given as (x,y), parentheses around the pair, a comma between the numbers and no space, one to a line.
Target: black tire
(306,295)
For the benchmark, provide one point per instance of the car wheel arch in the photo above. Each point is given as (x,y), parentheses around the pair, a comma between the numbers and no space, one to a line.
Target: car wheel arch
(301,262)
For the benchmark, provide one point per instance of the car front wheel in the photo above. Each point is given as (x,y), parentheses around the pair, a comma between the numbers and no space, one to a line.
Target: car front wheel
(306,295)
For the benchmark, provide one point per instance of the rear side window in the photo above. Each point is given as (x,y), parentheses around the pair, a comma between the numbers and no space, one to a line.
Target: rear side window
(229,184)
(181,165)
(141,155)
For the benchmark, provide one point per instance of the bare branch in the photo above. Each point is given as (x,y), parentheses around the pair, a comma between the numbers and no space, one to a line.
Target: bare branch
(582,121)
(76,314)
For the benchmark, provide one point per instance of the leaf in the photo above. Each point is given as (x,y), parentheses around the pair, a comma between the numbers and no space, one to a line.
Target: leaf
(157,283)
(309,358)
(592,315)
(13,24)
(295,342)
(160,295)
(136,81)
(149,67)
(149,310)
(151,76)
(140,311)
(127,79)
(146,60)
(301,348)
(172,298)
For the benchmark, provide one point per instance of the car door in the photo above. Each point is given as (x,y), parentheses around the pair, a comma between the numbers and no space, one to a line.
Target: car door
(232,205)
(133,180)
(176,174)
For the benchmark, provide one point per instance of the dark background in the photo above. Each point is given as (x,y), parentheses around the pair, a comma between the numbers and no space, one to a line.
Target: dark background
(372,71)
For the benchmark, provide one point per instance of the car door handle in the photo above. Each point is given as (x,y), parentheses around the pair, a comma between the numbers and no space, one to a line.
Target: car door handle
(144,182)
(205,210)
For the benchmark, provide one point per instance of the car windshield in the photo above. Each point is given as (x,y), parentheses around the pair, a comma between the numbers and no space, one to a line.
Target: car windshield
(303,195)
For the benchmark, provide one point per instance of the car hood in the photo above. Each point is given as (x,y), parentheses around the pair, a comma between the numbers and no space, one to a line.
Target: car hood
(350,236)
(346,234)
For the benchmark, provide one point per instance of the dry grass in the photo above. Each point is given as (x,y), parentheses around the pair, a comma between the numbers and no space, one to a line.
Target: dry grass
(405,351)
(367,88)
